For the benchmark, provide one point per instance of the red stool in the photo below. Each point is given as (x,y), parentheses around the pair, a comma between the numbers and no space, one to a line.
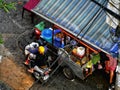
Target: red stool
(29,6)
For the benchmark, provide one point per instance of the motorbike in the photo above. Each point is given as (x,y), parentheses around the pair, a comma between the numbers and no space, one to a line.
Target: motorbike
(41,74)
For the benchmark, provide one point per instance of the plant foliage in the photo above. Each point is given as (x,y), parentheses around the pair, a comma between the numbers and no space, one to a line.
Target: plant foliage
(1,40)
(7,6)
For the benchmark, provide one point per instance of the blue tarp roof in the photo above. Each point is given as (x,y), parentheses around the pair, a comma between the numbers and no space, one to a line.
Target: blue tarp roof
(82,18)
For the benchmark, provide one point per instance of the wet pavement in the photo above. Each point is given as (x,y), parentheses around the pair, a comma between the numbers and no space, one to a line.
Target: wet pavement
(97,81)
(12,71)
(12,26)
(59,82)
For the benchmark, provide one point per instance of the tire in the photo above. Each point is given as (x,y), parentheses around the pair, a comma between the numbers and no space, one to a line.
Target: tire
(68,73)
(38,76)
(23,40)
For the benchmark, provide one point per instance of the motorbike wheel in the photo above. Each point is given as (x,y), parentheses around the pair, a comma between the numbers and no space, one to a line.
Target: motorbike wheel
(38,76)
(24,39)
(68,73)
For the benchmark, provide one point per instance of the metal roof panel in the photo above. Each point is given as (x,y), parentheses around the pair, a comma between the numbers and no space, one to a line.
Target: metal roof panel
(82,18)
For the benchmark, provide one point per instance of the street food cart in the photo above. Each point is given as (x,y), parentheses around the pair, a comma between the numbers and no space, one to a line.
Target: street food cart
(84,22)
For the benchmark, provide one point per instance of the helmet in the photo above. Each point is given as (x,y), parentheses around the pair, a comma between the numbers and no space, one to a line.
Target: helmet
(41,49)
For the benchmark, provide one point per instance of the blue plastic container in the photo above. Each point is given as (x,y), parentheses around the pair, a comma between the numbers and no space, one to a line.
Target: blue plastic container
(58,43)
(47,35)
(56,31)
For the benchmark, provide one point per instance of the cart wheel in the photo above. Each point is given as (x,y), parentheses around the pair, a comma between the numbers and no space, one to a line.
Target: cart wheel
(68,73)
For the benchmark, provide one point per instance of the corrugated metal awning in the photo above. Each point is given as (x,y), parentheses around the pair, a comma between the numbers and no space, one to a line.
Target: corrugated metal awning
(82,18)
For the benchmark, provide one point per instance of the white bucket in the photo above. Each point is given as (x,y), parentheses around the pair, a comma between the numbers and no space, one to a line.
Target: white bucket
(80,51)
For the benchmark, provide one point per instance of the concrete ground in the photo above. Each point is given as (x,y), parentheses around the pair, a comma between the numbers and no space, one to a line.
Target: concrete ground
(12,71)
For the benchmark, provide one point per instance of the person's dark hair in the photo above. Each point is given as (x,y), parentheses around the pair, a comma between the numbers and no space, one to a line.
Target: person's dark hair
(103,58)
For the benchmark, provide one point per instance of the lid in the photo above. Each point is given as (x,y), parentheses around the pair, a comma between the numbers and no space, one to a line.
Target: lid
(81,51)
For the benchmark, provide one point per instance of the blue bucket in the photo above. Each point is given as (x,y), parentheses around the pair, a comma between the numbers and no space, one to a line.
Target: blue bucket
(47,35)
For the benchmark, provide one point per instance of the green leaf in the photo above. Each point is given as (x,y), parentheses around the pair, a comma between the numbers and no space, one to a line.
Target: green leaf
(0,1)
(1,40)
(5,8)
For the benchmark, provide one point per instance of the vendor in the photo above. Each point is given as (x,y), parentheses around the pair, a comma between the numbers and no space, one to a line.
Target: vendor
(41,59)
(109,64)
(31,48)
(31,51)
(110,67)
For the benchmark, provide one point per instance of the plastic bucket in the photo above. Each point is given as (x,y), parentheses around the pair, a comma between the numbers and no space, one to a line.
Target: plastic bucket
(81,51)
(47,35)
